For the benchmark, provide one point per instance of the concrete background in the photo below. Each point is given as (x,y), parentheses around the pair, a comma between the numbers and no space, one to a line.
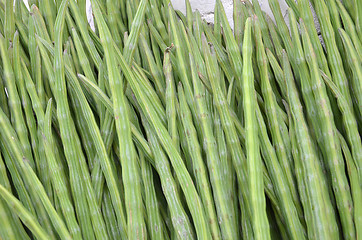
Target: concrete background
(206,8)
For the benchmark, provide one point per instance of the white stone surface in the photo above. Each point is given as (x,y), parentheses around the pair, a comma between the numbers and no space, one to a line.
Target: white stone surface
(206,8)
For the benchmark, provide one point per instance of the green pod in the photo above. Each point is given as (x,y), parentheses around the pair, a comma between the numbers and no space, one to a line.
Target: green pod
(276,126)
(350,125)
(179,220)
(255,180)
(232,139)
(317,195)
(27,218)
(331,144)
(135,225)
(350,28)
(355,186)
(356,67)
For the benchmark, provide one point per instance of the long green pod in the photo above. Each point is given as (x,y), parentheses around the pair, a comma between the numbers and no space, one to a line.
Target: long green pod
(67,127)
(41,166)
(137,135)
(133,200)
(331,144)
(349,27)
(350,125)
(3,98)
(335,20)
(146,85)
(160,25)
(304,76)
(201,175)
(334,56)
(355,186)
(49,14)
(355,63)
(76,181)
(17,11)
(179,219)
(303,73)
(97,139)
(351,7)
(277,42)
(10,224)
(298,167)
(39,23)
(204,118)
(170,97)
(320,226)
(183,176)
(57,177)
(217,24)
(220,53)
(22,132)
(282,189)
(277,71)
(149,91)
(263,25)
(96,136)
(106,128)
(130,45)
(281,25)
(82,24)
(186,154)
(40,84)
(102,84)
(32,46)
(72,53)
(59,168)
(238,18)
(15,176)
(112,15)
(156,51)
(271,112)
(109,216)
(307,16)
(103,98)
(192,198)
(26,217)
(155,222)
(228,173)
(79,120)
(359,19)
(8,227)
(231,44)
(155,70)
(14,102)
(294,5)
(232,139)
(95,219)
(197,28)
(9,137)
(156,35)
(83,60)
(255,179)
(9,23)
(99,183)
(47,66)
(184,75)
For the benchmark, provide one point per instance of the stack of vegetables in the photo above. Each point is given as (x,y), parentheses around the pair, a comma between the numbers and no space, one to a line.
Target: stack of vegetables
(159,125)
